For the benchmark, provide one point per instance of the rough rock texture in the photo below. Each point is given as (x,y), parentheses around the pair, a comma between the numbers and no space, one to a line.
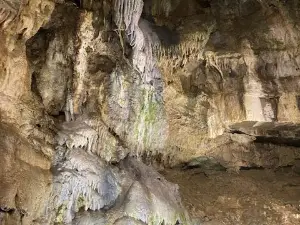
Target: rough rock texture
(236,61)
(86,187)
(70,115)
(90,88)
(251,197)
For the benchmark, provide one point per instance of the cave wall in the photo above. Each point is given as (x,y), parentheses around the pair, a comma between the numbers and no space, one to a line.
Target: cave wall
(160,81)
(26,144)
(71,114)
(236,61)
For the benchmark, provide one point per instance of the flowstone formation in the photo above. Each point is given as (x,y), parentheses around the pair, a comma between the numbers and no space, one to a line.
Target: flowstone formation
(97,94)
(77,117)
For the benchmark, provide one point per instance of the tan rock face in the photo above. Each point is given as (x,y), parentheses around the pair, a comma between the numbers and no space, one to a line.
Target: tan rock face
(168,82)
(26,140)
(26,179)
(66,86)
(234,62)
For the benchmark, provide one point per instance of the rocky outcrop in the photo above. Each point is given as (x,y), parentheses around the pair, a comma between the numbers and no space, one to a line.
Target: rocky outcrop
(90,88)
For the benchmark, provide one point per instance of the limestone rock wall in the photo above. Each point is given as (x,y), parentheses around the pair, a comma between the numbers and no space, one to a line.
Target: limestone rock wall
(74,111)
(88,85)
(235,61)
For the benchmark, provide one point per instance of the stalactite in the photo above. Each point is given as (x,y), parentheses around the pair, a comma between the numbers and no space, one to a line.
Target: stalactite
(91,136)
(191,47)
(69,111)
(141,37)
(211,60)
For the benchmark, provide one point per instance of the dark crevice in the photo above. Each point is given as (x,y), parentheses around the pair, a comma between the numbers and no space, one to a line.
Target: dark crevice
(252,168)
(298,102)
(204,3)
(112,132)
(118,138)
(214,167)
(77,2)
(285,167)
(278,141)
(236,132)
(7,210)
(20,35)
(167,36)
(288,141)
(61,116)
(34,86)
(114,163)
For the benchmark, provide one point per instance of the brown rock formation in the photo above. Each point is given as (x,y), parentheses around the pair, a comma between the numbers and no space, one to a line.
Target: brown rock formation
(87,86)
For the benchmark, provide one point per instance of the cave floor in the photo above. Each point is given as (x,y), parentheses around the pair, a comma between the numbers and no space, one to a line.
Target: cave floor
(255,197)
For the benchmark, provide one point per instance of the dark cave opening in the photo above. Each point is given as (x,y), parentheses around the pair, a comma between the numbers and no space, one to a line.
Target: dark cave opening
(61,116)
(204,3)
(77,2)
